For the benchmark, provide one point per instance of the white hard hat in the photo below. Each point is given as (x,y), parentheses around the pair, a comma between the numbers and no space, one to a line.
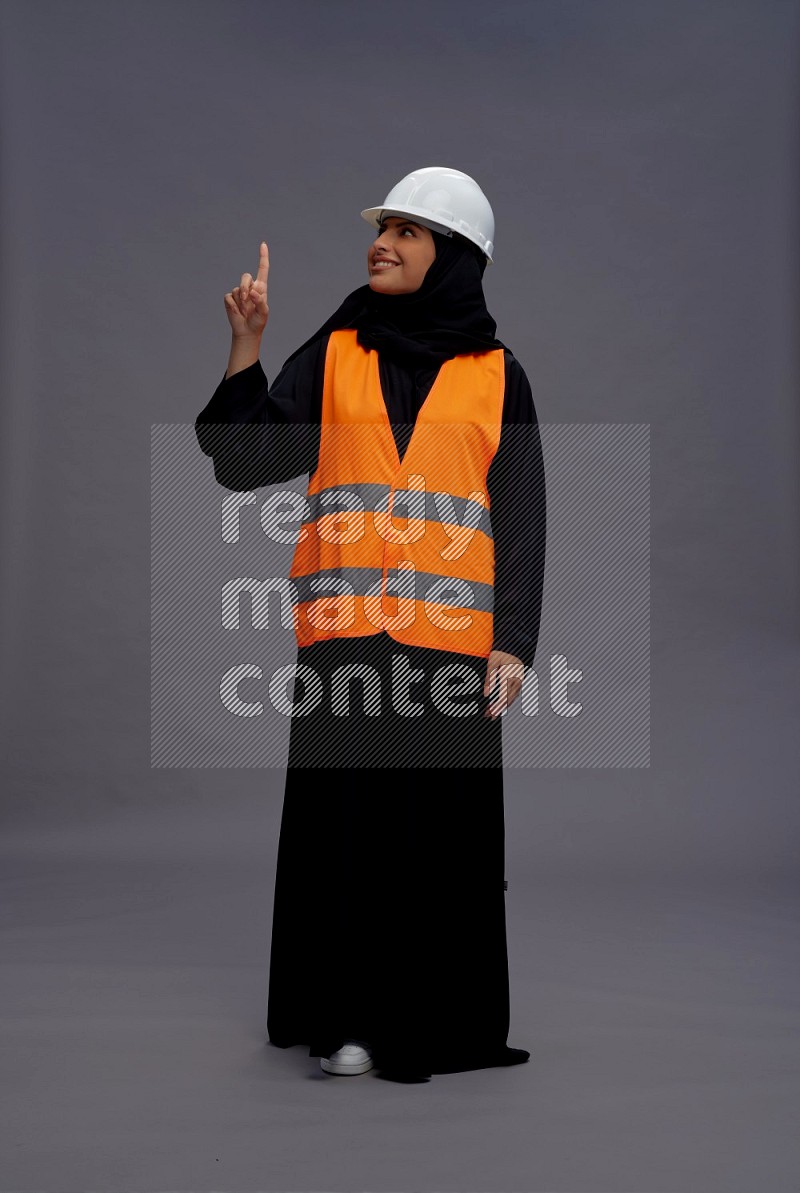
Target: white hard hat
(443,199)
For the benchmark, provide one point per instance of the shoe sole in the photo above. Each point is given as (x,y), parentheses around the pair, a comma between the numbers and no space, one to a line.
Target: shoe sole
(339,1070)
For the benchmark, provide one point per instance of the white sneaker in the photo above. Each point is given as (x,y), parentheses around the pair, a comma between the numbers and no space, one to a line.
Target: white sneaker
(351,1058)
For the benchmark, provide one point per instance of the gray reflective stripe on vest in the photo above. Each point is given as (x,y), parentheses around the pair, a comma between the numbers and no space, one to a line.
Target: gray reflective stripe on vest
(443,507)
(330,581)
(420,586)
(438,507)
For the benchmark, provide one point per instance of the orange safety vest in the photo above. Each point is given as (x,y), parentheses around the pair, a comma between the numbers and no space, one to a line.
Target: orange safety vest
(405,545)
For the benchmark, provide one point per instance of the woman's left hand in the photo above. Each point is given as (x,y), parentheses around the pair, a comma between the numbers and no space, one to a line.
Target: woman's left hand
(508,680)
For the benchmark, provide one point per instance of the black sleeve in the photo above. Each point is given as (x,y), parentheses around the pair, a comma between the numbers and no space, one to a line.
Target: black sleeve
(261,434)
(518,511)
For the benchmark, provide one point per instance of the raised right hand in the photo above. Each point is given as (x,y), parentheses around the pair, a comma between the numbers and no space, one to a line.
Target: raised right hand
(246,305)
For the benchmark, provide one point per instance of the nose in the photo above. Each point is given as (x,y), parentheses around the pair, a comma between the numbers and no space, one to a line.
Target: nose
(379,243)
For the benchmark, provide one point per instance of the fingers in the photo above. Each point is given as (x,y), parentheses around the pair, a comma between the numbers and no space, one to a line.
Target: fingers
(263,263)
(507,692)
(248,295)
(489,686)
(251,295)
(244,286)
(504,675)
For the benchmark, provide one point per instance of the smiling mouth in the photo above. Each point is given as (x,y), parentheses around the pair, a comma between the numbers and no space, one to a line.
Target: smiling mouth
(383,265)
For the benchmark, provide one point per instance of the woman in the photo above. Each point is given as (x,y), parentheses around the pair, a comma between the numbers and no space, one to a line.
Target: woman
(389,940)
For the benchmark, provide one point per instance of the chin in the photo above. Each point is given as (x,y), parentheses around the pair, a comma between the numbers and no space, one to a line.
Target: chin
(384,289)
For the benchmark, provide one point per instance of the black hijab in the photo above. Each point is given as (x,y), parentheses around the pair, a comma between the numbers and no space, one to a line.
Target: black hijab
(445,317)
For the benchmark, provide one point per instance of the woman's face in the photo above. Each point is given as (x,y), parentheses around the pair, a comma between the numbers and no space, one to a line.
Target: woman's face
(408,248)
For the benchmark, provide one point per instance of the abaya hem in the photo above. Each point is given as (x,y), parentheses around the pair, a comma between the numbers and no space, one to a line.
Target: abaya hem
(404,1068)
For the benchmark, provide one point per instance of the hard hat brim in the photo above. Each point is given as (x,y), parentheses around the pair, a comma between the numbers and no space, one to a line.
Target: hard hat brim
(373,216)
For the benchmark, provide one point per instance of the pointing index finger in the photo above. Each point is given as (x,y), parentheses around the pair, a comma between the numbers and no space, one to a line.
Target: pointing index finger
(263,262)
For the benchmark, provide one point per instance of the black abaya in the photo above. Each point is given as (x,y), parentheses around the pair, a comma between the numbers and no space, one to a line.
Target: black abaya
(389,914)
(389,917)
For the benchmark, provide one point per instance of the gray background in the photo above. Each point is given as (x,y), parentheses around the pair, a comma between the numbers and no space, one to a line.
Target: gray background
(641,162)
